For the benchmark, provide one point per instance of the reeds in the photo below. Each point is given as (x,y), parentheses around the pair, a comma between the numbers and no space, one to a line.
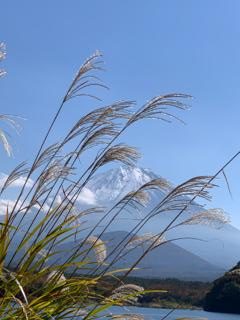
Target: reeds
(32,284)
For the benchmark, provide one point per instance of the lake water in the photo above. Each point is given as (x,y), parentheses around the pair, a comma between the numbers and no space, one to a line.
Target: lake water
(157,314)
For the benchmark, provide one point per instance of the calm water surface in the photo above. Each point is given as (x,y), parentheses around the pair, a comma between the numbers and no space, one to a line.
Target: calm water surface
(157,314)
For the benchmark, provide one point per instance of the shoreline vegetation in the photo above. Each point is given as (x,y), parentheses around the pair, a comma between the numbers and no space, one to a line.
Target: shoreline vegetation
(224,295)
(46,212)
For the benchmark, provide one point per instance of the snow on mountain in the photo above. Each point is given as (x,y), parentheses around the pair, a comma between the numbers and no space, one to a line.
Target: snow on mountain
(116,183)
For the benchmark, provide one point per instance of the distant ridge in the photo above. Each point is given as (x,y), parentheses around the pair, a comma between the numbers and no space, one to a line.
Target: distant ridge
(166,261)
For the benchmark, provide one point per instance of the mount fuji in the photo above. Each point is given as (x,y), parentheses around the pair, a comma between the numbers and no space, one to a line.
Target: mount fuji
(218,246)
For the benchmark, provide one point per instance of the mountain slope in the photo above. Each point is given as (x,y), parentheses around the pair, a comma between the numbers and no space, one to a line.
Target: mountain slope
(167,261)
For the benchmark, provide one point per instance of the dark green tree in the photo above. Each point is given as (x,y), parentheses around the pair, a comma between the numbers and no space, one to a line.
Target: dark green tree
(225,294)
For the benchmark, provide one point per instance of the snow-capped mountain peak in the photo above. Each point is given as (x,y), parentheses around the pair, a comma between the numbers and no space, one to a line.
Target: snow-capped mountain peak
(115,183)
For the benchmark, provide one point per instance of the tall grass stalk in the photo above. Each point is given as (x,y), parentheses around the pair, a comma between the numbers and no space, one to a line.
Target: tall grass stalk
(32,284)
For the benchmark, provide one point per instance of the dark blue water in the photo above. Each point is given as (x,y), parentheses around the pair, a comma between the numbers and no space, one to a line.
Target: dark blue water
(157,314)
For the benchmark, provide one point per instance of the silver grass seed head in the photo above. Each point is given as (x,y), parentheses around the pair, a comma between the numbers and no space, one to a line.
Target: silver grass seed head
(122,153)
(128,288)
(212,217)
(14,175)
(53,275)
(147,238)
(128,293)
(2,50)
(2,56)
(136,198)
(99,248)
(159,183)
(128,317)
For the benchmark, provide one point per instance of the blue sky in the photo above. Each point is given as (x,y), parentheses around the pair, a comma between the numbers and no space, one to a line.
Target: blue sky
(150,48)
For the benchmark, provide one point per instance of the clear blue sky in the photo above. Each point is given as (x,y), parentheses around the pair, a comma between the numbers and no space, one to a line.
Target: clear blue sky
(150,47)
